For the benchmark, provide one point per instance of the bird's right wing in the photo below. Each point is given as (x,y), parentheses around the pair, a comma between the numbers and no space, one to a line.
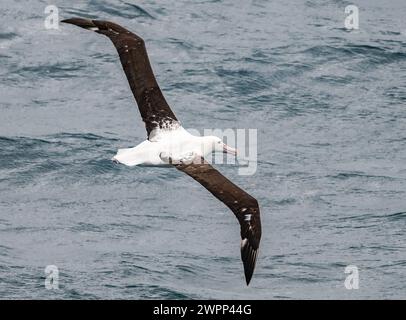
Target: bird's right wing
(154,109)
(244,206)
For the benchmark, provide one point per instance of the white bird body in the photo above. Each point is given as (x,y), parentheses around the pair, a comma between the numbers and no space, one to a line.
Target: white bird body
(177,144)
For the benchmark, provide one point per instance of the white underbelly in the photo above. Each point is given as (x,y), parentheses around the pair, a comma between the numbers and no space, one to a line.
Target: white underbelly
(143,154)
(176,144)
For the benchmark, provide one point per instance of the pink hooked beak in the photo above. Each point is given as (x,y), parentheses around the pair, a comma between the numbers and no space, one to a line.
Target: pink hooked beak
(228,149)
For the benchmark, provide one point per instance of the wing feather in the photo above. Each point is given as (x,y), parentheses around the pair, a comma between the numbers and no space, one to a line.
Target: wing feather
(244,206)
(154,109)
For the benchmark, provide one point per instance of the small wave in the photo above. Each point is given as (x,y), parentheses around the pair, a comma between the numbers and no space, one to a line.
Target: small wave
(123,10)
(62,156)
(8,35)
(391,33)
(167,293)
(372,55)
(396,93)
(243,81)
(364,217)
(283,202)
(125,227)
(185,45)
(85,13)
(349,175)
(85,136)
(56,70)
(397,216)
(335,79)
(140,10)
(15,146)
(86,227)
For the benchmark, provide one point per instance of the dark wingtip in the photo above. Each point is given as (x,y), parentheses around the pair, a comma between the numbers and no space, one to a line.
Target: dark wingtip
(247,279)
(249,257)
(83,23)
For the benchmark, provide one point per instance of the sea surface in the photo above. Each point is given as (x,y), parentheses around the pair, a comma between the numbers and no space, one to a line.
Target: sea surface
(329,107)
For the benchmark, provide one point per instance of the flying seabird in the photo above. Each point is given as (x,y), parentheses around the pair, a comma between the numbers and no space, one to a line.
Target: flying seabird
(169,144)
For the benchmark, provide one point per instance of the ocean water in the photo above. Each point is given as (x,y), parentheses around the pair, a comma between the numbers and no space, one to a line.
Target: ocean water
(330,109)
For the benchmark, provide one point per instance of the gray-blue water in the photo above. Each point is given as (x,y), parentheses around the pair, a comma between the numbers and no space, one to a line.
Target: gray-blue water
(330,109)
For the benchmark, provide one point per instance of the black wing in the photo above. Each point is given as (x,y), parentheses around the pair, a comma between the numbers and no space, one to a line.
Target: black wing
(244,206)
(154,109)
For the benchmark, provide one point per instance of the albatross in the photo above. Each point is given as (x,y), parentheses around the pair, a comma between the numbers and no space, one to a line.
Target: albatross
(169,144)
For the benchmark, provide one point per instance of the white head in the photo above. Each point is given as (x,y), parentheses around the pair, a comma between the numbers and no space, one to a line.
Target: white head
(212,144)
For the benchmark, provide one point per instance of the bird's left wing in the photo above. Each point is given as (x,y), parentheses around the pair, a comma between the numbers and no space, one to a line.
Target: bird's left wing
(154,109)
(244,206)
